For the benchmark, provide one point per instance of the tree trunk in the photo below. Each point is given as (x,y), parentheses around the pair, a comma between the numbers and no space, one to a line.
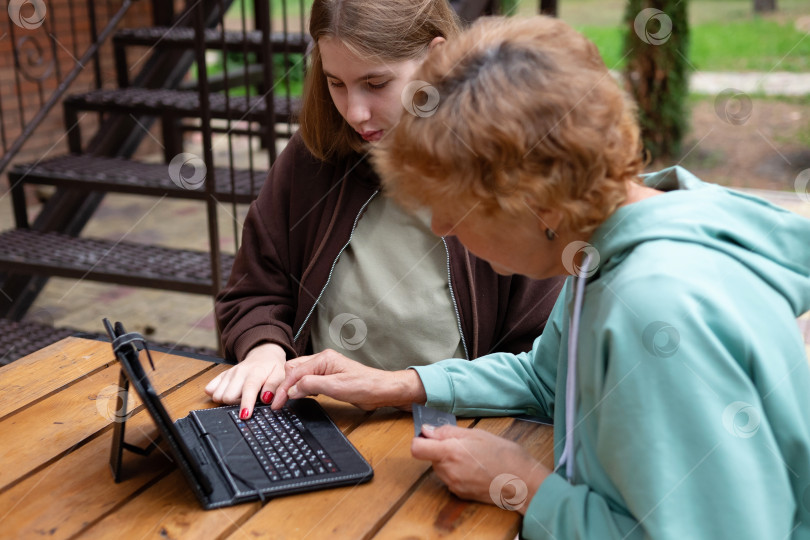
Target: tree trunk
(548,7)
(764,6)
(656,75)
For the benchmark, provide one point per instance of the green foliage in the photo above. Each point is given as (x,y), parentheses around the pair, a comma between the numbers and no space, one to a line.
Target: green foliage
(292,8)
(510,7)
(656,49)
(755,44)
(288,72)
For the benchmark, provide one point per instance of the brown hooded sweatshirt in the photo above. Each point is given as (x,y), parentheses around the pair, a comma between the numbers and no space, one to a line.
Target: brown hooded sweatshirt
(293,234)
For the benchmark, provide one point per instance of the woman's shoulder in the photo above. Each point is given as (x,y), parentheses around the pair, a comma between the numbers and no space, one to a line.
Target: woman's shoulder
(686,281)
(296,157)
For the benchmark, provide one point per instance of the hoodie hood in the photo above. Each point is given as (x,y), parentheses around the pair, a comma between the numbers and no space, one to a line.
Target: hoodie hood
(771,241)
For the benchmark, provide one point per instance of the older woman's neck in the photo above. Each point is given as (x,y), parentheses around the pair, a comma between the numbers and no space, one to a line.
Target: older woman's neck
(638,192)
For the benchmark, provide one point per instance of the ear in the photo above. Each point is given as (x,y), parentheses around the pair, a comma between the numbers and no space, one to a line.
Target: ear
(554,218)
(438,40)
(547,218)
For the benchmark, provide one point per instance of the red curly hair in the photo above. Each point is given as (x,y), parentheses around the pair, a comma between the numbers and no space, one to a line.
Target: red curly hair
(528,115)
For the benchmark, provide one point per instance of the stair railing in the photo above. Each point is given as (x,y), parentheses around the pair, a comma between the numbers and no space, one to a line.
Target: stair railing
(37,69)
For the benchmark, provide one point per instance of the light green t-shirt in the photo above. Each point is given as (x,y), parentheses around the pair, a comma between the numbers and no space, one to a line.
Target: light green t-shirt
(388,303)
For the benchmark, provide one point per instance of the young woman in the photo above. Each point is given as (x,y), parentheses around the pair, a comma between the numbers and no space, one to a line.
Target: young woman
(326,262)
(672,363)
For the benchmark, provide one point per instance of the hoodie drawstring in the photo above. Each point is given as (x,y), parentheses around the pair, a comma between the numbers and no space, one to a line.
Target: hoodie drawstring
(567,457)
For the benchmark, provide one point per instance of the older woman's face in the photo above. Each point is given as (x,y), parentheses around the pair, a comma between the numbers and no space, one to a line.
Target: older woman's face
(510,245)
(366,93)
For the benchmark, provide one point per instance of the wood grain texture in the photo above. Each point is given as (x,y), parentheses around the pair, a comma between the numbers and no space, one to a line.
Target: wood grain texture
(168,508)
(46,503)
(49,369)
(55,479)
(433,512)
(350,512)
(65,420)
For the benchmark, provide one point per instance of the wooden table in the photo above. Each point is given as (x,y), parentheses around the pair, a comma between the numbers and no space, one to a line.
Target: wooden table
(55,481)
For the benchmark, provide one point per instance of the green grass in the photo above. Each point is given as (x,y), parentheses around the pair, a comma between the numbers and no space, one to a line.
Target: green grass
(752,45)
(292,7)
(610,41)
(756,45)
(725,34)
(610,12)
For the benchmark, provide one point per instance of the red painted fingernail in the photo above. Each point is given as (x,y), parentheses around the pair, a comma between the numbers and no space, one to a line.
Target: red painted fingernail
(267,397)
(244,414)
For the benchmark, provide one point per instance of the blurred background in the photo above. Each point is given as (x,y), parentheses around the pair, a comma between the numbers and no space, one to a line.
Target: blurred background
(723,88)
(761,136)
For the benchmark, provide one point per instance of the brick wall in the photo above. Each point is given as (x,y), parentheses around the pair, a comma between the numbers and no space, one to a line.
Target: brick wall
(44,54)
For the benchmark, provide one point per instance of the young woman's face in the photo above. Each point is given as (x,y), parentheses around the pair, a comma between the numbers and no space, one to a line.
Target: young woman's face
(366,93)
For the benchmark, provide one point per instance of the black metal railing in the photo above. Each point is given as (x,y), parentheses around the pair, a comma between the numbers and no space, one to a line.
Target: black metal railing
(222,77)
(34,42)
(219,74)
(248,46)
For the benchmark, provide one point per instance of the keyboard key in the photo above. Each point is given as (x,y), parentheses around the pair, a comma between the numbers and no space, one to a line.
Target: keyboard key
(277,439)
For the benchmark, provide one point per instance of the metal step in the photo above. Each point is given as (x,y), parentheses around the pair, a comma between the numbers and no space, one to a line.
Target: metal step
(18,339)
(25,251)
(236,41)
(21,338)
(181,103)
(118,175)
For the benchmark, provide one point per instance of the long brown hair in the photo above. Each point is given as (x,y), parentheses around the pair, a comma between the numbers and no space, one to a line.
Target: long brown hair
(385,30)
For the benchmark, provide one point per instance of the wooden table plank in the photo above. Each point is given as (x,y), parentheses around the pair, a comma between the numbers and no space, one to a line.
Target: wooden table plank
(537,439)
(433,512)
(350,512)
(54,425)
(169,508)
(58,482)
(45,503)
(47,370)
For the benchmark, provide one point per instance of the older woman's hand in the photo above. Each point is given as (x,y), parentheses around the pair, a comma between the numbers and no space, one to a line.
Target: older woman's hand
(332,374)
(480,466)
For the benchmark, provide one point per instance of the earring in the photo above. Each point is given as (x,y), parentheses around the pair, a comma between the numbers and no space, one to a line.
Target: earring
(551,235)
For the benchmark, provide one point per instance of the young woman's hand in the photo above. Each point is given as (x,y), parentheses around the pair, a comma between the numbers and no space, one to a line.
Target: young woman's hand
(259,373)
(480,466)
(332,374)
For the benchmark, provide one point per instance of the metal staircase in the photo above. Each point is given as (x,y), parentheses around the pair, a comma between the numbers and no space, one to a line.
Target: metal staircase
(246,100)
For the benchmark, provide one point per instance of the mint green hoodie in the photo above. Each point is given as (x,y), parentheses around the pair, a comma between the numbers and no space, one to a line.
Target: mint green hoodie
(692,388)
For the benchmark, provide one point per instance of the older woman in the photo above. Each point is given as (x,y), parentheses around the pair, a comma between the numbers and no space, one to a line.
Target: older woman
(671,362)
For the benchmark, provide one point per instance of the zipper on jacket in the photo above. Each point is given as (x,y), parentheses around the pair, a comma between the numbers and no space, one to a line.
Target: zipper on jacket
(453,298)
(334,263)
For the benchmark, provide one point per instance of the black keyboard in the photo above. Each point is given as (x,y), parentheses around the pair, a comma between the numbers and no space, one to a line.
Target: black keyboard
(282,445)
